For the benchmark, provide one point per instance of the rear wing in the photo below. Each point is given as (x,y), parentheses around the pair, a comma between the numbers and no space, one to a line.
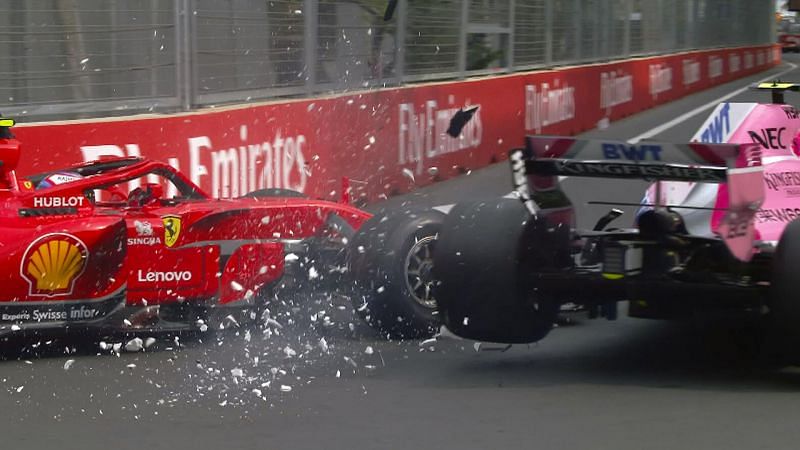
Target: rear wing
(548,156)
(537,167)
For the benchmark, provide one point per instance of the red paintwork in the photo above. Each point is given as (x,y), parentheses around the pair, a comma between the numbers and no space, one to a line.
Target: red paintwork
(224,253)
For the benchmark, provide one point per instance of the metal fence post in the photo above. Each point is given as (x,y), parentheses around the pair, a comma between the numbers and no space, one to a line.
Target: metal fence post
(462,40)
(511,18)
(184,58)
(626,40)
(578,29)
(310,39)
(548,32)
(400,44)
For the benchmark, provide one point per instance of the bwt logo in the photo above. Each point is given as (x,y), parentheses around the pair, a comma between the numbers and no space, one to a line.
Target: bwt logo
(278,162)
(660,79)
(642,152)
(547,106)
(423,135)
(720,127)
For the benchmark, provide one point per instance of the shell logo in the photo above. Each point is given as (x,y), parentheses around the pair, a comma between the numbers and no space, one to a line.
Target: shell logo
(52,263)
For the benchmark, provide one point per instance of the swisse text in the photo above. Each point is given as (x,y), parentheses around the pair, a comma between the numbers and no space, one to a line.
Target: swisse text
(157,277)
(57,202)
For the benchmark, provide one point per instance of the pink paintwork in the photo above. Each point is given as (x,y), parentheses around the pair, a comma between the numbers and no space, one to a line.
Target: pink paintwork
(774,129)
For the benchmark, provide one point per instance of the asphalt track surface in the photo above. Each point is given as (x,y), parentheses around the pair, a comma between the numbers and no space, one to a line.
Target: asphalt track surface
(628,384)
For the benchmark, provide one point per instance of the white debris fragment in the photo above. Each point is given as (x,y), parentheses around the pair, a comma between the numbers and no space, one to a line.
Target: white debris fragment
(15,327)
(289,352)
(134,345)
(257,392)
(104,345)
(313,274)
(380,289)
(285,388)
(19,389)
(409,174)
(372,139)
(265,220)
(369,350)
(68,364)
(465,322)
(323,345)
(149,341)
(350,361)
(274,323)
(237,373)
(131,366)
(477,346)
(338,374)
(427,342)
(236,286)
(116,347)
(203,328)
(360,249)
(291,257)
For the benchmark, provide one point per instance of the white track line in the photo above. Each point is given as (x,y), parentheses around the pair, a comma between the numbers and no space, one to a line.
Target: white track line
(688,115)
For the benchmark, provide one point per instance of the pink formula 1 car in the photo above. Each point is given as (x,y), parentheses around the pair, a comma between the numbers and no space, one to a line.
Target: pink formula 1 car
(131,244)
(717,232)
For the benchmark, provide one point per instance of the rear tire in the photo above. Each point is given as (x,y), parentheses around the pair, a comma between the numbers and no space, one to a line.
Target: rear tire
(390,261)
(484,265)
(781,343)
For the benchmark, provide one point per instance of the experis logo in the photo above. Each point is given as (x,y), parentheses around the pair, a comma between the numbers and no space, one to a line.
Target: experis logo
(278,161)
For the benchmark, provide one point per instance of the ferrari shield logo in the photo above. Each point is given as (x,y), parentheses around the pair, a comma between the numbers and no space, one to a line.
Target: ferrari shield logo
(172,229)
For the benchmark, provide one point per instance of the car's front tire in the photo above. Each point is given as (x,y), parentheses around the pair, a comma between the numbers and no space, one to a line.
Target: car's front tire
(390,263)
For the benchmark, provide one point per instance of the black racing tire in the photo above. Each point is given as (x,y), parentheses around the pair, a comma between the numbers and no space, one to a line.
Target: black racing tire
(381,261)
(781,334)
(483,266)
(274,192)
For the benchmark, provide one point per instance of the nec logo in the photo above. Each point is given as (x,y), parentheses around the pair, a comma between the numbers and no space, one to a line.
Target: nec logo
(771,138)
(642,152)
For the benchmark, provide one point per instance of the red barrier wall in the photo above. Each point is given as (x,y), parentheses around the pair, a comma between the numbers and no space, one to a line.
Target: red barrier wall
(387,141)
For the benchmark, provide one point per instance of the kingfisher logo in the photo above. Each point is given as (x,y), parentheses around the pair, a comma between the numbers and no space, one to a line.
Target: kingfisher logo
(52,264)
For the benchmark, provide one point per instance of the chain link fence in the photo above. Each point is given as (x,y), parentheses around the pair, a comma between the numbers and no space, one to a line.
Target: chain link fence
(82,58)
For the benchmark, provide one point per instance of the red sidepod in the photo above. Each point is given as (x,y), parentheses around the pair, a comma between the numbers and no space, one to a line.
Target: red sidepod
(49,259)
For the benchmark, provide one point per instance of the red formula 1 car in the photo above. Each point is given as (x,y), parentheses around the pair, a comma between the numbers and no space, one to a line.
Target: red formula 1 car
(131,244)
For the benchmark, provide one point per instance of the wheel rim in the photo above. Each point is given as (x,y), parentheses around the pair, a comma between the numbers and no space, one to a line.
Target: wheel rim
(419,276)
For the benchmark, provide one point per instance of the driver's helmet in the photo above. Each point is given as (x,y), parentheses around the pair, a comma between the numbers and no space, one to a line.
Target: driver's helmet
(57,178)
